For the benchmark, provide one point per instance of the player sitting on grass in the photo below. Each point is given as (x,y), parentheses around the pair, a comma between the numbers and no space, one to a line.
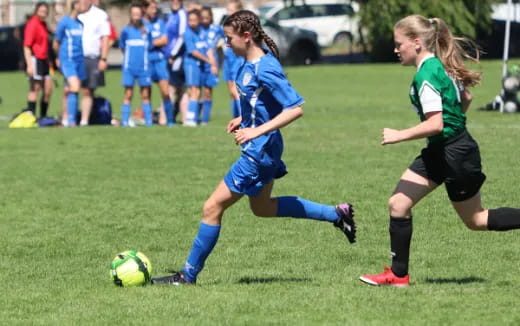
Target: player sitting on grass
(268,103)
(439,95)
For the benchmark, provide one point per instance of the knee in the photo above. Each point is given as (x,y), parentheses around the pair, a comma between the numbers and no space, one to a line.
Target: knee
(475,222)
(259,211)
(399,207)
(211,211)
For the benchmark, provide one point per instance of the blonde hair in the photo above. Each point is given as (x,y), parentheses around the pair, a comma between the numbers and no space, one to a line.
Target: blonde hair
(437,38)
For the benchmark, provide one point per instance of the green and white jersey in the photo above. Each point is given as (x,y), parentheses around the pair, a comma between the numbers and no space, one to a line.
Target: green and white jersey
(433,90)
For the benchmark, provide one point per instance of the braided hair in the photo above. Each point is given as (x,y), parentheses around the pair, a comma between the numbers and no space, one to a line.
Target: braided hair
(246,21)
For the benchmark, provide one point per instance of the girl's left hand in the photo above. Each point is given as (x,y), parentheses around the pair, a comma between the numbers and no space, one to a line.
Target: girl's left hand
(391,136)
(244,135)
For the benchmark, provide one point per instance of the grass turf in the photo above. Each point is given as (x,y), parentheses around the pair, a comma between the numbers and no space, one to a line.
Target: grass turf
(73,198)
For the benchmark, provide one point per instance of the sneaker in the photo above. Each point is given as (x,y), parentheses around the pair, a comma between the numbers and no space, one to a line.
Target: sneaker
(386,278)
(177,278)
(345,221)
(189,123)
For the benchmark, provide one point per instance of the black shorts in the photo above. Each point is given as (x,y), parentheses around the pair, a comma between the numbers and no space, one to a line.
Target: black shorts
(456,162)
(95,78)
(41,69)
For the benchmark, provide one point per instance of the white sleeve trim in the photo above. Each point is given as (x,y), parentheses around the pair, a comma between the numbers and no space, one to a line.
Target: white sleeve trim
(430,98)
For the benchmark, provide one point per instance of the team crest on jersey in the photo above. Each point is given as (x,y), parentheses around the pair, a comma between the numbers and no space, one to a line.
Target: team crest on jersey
(211,34)
(246,79)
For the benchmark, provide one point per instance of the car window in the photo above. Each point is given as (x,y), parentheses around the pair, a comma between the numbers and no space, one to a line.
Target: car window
(287,13)
(339,10)
(264,9)
(4,35)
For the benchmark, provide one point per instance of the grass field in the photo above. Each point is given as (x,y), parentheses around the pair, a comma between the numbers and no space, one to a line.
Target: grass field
(73,198)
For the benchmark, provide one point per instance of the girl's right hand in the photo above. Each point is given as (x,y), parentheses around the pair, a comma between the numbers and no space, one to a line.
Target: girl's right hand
(233,125)
(29,70)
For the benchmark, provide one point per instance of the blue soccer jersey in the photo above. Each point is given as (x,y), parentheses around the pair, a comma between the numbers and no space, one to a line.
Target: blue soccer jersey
(69,33)
(135,43)
(264,93)
(212,35)
(157,29)
(176,25)
(193,40)
(232,63)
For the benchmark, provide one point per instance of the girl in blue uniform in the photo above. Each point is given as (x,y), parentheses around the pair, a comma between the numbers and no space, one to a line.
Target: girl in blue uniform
(68,44)
(268,103)
(157,60)
(231,64)
(213,35)
(135,41)
(197,55)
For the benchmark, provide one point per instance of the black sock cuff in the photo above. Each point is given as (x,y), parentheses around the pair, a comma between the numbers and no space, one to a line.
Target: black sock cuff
(503,219)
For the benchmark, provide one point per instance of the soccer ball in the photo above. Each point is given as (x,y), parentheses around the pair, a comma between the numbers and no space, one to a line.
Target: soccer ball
(130,268)
(511,84)
(510,107)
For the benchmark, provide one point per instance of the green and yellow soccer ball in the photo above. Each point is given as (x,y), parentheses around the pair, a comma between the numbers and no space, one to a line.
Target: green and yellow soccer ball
(130,268)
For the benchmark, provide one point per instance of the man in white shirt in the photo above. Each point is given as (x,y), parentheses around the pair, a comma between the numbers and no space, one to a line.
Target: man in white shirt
(96,30)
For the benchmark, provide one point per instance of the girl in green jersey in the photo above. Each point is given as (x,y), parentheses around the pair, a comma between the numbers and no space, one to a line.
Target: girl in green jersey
(438,94)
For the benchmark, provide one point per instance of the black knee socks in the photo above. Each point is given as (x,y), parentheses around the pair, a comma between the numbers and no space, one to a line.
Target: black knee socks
(400,238)
(503,219)
(43,108)
(31,105)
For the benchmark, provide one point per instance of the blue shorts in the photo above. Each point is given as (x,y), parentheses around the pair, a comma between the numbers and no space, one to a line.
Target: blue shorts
(248,177)
(159,70)
(209,80)
(129,78)
(193,74)
(71,68)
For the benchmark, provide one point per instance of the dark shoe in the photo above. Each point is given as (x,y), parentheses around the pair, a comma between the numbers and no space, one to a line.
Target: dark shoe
(177,278)
(345,221)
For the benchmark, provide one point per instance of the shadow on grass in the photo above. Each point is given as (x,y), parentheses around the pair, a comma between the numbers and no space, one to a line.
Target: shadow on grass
(464,280)
(256,280)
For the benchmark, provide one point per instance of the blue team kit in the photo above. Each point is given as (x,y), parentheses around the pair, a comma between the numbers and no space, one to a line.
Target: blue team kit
(69,33)
(264,93)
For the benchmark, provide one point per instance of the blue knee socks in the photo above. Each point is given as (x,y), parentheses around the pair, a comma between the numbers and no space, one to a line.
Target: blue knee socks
(147,111)
(301,208)
(125,114)
(72,108)
(206,110)
(193,111)
(168,110)
(202,247)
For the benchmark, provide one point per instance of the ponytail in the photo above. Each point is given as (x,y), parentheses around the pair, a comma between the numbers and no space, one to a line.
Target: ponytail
(438,39)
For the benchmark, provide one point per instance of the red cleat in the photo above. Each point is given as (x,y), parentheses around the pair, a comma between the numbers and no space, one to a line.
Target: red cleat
(386,278)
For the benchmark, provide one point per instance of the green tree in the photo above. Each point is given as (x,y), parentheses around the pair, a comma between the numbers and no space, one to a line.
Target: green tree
(465,17)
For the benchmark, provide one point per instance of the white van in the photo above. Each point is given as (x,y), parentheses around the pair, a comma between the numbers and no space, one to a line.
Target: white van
(335,21)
